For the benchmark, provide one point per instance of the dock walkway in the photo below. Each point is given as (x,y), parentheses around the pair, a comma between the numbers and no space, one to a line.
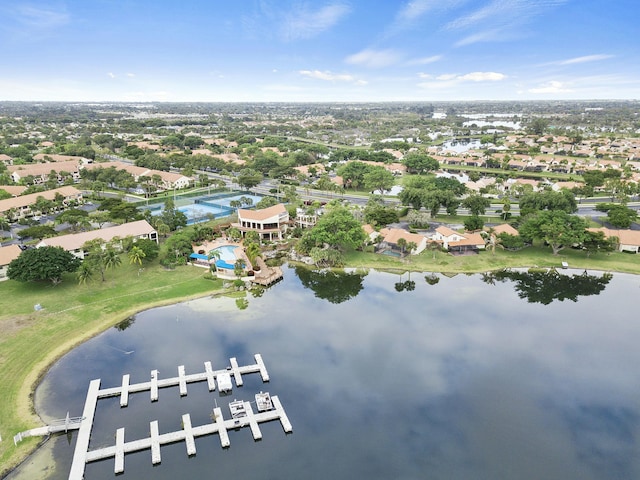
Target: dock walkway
(219,425)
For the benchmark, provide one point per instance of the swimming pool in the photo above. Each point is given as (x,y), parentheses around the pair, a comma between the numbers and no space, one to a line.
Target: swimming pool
(227,256)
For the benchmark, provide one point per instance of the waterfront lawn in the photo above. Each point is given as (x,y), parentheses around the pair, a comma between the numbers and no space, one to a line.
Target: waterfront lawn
(535,256)
(31,340)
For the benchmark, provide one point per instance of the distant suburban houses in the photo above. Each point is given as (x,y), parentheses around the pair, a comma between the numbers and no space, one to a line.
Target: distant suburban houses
(166,180)
(75,242)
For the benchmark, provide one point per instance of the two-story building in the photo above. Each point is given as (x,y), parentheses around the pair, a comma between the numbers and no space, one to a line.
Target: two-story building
(271,223)
(24,206)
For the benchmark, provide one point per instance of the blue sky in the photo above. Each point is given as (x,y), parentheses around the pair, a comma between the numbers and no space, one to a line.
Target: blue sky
(342,50)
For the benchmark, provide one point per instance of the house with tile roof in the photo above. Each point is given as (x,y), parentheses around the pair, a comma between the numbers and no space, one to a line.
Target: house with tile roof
(75,242)
(456,242)
(391,236)
(271,223)
(41,171)
(168,180)
(22,206)
(628,240)
(13,190)
(7,255)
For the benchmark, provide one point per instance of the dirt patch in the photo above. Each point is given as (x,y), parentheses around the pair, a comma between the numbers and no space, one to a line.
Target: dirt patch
(11,326)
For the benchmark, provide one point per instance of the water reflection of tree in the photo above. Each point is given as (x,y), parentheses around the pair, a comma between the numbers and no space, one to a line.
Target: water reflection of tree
(334,286)
(545,287)
(408,285)
(124,324)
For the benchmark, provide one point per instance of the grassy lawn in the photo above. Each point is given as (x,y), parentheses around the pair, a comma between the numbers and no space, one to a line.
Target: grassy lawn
(30,341)
(536,256)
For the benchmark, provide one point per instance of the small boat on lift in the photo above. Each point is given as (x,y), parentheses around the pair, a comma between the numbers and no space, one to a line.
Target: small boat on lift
(263,401)
(237,409)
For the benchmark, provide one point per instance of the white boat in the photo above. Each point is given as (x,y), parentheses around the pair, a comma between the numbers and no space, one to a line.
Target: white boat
(263,401)
(237,409)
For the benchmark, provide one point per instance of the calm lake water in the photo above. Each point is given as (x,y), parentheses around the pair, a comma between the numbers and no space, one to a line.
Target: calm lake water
(383,376)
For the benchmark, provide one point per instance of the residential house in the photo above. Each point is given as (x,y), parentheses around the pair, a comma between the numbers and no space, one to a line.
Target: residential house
(56,158)
(628,240)
(42,171)
(391,236)
(75,242)
(7,255)
(271,223)
(6,159)
(167,180)
(13,190)
(22,206)
(305,219)
(456,242)
(505,228)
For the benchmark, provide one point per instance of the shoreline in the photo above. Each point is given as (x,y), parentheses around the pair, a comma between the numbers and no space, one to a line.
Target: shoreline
(36,375)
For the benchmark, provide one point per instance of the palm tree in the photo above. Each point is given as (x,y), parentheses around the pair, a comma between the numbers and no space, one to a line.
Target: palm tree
(402,243)
(213,255)
(162,228)
(85,272)
(111,258)
(253,252)
(136,254)
(411,246)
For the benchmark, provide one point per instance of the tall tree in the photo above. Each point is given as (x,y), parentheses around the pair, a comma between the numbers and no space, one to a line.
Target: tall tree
(44,263)
(378,179)
(556,227)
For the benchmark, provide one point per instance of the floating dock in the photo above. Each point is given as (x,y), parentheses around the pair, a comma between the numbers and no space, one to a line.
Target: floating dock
(189,433)
(246,417)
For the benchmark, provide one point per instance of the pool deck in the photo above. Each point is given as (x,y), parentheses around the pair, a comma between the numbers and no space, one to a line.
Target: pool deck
(264,275)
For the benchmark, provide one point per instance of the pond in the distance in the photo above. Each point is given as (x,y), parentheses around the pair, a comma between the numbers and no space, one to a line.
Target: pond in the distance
(383,376)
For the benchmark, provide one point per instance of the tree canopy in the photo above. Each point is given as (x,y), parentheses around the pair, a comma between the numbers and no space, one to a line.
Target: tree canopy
(337,228)
(548,200)
(45,263)
(556,227)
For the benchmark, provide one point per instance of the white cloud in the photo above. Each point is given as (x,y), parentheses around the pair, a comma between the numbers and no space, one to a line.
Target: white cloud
(131,75)
(303,23)
(41,18)
(584,59)
(374,58)
(500,20)
(483,77)
(331,77)
(446,77)
(416,9)
(451,79)
(553,86)
(425,60)
(111,75)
